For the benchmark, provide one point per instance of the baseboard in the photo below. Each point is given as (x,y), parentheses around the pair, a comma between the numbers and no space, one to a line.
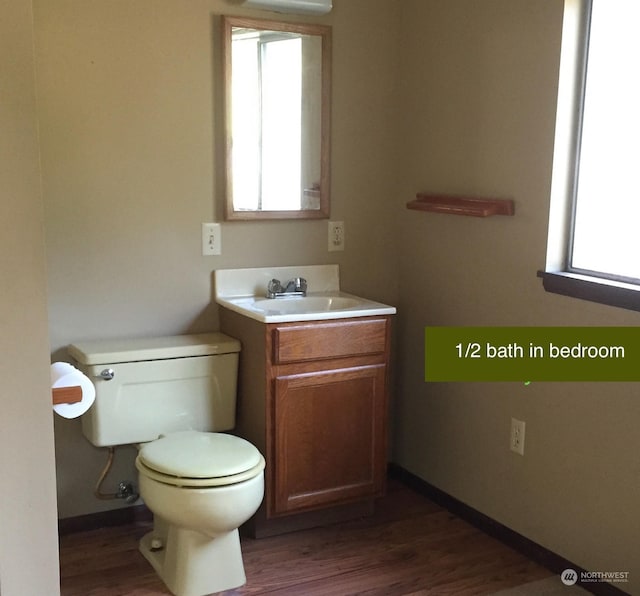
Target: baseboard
(104,519)
(522,544)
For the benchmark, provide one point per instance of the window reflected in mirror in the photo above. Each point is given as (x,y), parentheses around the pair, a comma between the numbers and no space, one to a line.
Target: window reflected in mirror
(277,119)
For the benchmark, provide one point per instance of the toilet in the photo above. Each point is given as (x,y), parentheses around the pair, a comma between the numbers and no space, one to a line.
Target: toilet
(173,397)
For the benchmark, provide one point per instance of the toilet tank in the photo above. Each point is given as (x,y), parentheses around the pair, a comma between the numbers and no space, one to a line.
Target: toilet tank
(159,385)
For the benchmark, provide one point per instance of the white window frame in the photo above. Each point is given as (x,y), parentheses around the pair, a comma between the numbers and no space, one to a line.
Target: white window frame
(558,276)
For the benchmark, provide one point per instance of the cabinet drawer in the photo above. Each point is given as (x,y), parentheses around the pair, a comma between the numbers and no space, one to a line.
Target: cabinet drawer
(337,339)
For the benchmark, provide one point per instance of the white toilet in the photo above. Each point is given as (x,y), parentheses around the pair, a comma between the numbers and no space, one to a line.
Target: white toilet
(172,395)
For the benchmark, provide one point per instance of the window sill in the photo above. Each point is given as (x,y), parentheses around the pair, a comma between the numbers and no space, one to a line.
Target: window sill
(594,289)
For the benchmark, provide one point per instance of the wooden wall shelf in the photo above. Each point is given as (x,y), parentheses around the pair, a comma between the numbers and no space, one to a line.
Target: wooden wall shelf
(456,205)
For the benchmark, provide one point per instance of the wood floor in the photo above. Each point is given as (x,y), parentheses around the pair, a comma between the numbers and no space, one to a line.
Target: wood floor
(409,547)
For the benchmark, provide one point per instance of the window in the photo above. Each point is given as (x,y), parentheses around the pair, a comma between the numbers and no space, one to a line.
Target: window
(594,242)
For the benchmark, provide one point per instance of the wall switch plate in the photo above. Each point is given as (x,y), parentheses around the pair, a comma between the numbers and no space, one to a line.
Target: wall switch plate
(211,239)
(336,236)
(517,436)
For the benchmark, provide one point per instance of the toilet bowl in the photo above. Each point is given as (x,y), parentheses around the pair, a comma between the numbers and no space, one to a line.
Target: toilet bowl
(198,504)
(173,396)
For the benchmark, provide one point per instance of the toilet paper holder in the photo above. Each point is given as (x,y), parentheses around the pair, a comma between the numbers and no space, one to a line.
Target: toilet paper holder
(66,395)
(72,392)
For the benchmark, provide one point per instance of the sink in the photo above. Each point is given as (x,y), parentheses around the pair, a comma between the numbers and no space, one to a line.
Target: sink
(308,304)
(312,307)
(243,291)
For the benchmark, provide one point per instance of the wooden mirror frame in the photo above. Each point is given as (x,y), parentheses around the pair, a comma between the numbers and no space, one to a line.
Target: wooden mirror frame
(231,213)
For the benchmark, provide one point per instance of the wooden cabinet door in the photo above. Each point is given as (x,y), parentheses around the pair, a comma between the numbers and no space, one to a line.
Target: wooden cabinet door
(330,437)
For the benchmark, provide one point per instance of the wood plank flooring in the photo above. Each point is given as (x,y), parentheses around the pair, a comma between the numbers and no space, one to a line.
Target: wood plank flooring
(409,547)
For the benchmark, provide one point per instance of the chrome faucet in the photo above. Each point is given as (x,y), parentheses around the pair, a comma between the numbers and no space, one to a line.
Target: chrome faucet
(294,287)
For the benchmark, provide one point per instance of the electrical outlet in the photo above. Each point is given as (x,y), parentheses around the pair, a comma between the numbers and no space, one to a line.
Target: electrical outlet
(336,235)
(517,436)
(211,239)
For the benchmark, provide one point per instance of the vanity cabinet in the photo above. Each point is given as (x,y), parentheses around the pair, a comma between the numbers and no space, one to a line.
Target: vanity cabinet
(313,397)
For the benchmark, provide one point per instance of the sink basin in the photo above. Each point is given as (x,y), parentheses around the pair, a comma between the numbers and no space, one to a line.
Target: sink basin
(243,291)
(307,304)
(334,305)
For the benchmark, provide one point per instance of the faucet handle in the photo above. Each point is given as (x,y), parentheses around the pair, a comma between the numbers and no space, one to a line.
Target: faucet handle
(274,287)
(301,284)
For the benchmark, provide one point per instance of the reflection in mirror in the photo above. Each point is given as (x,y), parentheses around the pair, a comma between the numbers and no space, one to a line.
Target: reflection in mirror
(277,78)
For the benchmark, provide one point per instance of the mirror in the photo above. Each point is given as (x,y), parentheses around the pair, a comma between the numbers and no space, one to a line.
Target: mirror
(277,109)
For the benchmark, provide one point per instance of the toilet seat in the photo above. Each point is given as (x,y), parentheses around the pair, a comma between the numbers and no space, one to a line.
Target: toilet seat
(199,459)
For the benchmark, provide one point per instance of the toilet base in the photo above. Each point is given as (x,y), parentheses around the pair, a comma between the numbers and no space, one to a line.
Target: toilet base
(192,564)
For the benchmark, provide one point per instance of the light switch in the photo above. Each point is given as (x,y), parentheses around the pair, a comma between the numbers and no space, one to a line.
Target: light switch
(211,239)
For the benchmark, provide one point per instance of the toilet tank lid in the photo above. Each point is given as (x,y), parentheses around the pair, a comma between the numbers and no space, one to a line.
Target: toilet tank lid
(113,351)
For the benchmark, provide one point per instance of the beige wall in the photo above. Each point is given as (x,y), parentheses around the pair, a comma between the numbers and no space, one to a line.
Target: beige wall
(28,530)
(130,130)
(478,88)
